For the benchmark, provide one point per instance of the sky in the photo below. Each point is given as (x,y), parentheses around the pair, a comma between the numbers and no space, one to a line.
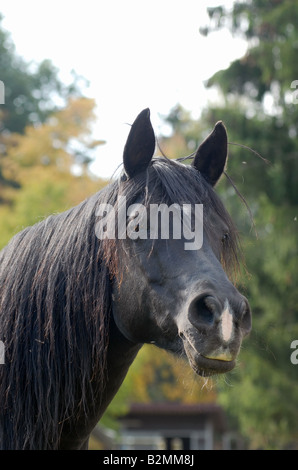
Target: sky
(134,53)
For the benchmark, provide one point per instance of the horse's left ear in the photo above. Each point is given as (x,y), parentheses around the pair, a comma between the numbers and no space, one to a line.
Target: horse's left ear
(211,156)
(140,145)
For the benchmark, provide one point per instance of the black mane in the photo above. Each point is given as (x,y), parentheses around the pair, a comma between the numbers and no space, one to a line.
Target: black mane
(55,299)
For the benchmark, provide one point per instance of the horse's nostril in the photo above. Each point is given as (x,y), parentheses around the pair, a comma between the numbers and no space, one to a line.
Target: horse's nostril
(203,311)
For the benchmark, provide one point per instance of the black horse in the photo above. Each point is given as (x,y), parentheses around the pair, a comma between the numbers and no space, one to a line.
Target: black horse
(75,308)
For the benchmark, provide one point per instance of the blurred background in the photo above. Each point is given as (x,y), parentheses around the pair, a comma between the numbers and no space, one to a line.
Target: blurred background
(74,76)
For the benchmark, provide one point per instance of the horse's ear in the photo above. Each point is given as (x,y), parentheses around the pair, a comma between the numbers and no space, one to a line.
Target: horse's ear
(211,156)
(140,145)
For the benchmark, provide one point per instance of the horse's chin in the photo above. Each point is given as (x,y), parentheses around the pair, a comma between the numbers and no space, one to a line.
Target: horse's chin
(206,366)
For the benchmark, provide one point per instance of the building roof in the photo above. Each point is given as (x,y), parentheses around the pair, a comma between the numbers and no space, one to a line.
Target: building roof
(177,408)
(169,415)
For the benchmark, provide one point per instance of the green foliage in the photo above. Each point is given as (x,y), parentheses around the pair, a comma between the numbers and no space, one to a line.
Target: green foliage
(32,92)
(270,28)
(263,397)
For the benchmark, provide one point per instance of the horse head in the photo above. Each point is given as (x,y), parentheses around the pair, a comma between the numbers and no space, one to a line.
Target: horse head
(165,292)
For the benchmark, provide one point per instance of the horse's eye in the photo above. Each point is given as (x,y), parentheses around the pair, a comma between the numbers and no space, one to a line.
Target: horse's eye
(225,238)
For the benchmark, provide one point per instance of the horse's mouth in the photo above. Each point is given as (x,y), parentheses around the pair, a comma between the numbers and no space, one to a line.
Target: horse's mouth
(207,366)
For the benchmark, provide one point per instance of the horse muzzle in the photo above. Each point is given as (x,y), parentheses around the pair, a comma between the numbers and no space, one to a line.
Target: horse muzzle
(214,332)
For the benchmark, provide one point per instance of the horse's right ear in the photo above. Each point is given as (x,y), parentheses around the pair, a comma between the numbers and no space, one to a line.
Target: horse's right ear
(140,145)
(211,157)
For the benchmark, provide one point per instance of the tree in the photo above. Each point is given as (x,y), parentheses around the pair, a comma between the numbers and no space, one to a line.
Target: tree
(32,93)
(261,83)
(41,161)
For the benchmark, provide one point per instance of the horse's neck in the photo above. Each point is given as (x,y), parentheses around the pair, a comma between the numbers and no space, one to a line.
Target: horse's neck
(121,354)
